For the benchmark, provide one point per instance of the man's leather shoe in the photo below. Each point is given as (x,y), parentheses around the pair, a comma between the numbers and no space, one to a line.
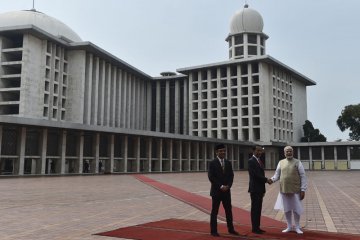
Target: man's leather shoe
(233,232)
(257,231)
(215,234)
(262,230)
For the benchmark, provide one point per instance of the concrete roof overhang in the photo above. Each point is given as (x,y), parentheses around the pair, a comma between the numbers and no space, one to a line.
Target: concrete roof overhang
(21,121)
(86,46)
(266,58)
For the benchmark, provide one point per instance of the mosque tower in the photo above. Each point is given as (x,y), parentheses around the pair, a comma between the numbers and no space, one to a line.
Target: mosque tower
(246,38)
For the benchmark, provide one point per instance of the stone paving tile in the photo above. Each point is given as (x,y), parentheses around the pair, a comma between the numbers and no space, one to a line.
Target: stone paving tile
(75,207)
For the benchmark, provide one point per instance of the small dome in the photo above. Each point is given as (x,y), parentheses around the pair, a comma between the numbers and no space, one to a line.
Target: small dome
(40,20)
(246,20)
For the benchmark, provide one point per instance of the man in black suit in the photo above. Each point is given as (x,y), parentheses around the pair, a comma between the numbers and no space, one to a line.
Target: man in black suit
(221,176)
(257,182)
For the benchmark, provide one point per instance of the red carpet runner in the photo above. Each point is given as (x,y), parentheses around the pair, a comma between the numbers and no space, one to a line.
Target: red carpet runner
(176,229)
(204,203)
(180,229)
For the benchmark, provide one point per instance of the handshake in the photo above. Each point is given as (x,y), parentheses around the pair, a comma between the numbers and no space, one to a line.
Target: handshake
(269,181)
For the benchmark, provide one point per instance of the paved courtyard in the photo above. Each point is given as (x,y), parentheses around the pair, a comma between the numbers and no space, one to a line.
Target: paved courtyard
(75,207)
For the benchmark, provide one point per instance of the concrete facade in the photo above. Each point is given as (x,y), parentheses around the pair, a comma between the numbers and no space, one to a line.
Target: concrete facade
(68,106)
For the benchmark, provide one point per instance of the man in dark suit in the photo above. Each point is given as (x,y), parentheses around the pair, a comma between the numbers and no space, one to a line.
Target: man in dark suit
(257,182)
(221,176)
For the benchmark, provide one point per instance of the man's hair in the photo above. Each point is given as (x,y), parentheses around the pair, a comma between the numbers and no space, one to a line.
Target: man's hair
(256,146)
(288,147)
(219,146)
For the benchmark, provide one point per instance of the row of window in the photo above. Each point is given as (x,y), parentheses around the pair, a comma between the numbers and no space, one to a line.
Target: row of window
(223,103)
(225,71)
(238,52)
(285,135)
(224,83)
(223,123)
(224,93)
(246,38)
(233,134)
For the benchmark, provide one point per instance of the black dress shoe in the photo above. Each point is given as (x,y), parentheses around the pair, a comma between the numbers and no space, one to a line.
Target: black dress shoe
(215,234)
(233,232)
(257,231)
(262,230)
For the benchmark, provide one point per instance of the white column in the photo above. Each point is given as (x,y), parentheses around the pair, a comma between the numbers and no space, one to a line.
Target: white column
(177,107)
(204,154)
(81,151)
(94,96)
(298,153)
(197,159)
(1,127)
(113,99)
(149,152)
(148,107)
(134,105)
(118,104)
(335,157)
(137,153)
(101,93)
(348,155)
(43,150)
(186,106)
(189,155)
(170,148)
(62,151)
(108,96)
(97,152)
(179,153)
(310,157)
(111,155)
(22,150)
(160,148)
(125,151)
(158,105)
(124,102)
(142,107)
(88,90)
(130,103)
(167,106)
(138,103)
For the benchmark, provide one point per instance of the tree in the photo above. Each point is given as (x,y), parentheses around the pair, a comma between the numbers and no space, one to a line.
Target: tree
(311,134)
(350,119)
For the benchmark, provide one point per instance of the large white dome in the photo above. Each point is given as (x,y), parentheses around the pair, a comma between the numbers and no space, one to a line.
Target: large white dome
(246,20)
(40,20)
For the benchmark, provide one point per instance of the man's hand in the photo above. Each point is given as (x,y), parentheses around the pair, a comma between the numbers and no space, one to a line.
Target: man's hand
(302,195)
(224,188)
(269,181)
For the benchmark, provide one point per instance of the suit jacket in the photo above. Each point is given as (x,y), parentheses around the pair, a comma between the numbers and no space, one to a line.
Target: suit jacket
(219,177)
(257,177)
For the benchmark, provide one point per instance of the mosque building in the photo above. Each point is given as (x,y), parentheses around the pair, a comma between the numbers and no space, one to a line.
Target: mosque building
(68,106)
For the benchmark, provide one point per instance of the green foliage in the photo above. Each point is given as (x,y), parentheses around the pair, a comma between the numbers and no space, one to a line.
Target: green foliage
(350,119)
(311,134)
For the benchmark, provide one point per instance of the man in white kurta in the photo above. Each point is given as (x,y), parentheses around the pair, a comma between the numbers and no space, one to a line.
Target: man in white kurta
(293,185)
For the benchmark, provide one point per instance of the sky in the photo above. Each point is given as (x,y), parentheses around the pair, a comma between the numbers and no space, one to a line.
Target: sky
(318,38)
